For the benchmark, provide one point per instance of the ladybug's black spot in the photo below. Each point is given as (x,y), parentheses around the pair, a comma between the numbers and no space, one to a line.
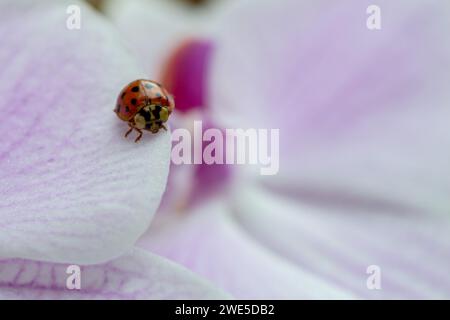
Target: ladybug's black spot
(134,101)
(127,109)
(135,89)
(156,112)
(145,114)
(123,94)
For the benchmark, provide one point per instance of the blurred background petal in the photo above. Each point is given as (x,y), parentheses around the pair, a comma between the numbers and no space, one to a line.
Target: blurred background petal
(339,244)
(362,114)
(153,29)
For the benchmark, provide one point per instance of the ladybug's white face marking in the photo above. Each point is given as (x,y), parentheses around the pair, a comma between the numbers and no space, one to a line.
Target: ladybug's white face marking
(139,121)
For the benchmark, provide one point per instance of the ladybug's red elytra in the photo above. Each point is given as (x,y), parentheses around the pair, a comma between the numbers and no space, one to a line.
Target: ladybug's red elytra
(145,105)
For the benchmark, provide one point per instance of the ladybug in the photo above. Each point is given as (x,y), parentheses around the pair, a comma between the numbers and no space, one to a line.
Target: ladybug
(145,105)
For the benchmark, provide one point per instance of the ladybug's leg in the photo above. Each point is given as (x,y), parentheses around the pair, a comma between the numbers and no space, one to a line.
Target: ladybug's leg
(129,131)
(139,136)
(164,127)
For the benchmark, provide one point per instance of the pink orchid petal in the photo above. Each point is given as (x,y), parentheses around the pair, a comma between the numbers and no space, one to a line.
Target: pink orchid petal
(72,189)
(361,113)
(338,245)
(135,275)
(210,242)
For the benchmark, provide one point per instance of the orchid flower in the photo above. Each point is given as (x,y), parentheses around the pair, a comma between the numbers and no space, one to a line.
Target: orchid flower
(364,133)
(73,191)
(363,181)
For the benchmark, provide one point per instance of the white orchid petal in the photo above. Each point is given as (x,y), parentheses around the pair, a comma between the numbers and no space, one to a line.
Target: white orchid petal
(72,189)
(135,275)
